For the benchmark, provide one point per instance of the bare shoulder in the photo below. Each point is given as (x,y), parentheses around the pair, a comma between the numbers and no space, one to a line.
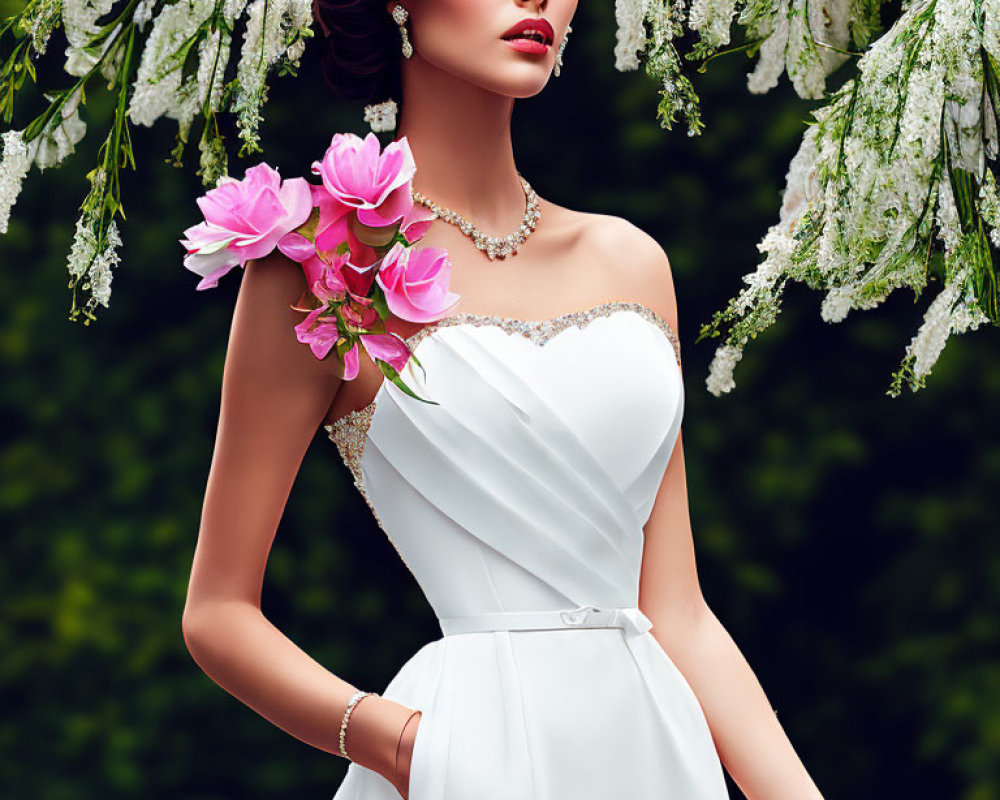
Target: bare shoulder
(263,344)
(639,266)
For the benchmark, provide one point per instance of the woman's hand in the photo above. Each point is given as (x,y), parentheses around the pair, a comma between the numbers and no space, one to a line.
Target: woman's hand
(373,733)
(402,781)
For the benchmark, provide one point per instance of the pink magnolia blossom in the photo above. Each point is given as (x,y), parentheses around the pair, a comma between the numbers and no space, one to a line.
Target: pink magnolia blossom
(416,222)
(244,220)
(360,178)
(415,282)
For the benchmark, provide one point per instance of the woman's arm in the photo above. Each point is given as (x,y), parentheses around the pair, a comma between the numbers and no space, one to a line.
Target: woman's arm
(275,394)
(750,740)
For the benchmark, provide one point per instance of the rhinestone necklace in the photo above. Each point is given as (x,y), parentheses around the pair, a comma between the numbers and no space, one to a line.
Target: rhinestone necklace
(494,246)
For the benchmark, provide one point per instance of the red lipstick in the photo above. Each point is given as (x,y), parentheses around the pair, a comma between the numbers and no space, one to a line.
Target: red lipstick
(530,35)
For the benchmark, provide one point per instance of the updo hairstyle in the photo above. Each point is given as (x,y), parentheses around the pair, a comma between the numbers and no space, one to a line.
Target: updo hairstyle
(360,50)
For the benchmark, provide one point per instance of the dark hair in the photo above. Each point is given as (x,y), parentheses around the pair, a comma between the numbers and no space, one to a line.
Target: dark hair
(360,49)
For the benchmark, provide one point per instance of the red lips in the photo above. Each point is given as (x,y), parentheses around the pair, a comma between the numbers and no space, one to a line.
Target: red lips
(532,28)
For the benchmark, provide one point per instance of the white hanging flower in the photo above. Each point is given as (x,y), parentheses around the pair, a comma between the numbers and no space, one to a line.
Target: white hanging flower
(59,138)
(950,230)
(805,67)
(84,246)
(720,371)
(989,206)
(13,167)
(80,60)
(771,55)
(263,45)
(143,13)
(631,33)
(157,90)
(837,303)
(802,189)
(102,266)
(213,56)
(712,19)
(80,20)
(930,340)
(801,38)
(855,220)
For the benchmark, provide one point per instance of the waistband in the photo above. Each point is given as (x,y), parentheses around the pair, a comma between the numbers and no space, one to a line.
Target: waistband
(631,620)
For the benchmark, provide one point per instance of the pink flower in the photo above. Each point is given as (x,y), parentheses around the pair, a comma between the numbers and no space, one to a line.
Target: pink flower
(359,177)
(415,282)
(243,220)
(325,280)
(416,222)
(318,331)
(388,347)
(321,331)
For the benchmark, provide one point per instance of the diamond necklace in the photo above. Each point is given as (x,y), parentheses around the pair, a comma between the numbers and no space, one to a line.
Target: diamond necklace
(494,246)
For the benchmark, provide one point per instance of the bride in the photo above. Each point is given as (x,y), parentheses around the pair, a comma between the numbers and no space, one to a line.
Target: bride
(541,503)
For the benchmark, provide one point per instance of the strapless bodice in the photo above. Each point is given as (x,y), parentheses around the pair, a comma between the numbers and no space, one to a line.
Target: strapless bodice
(528,485)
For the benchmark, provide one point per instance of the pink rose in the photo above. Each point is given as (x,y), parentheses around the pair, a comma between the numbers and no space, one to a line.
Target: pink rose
(415,282)
(243,220)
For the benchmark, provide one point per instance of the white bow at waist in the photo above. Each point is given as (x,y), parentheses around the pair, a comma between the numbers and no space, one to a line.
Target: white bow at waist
(631,620)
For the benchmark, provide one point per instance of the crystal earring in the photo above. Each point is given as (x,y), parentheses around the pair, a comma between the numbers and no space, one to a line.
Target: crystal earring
(557,67)
(400,15)
(381,116)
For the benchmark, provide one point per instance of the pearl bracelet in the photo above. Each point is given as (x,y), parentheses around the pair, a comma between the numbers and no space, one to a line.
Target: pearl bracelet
(355,699)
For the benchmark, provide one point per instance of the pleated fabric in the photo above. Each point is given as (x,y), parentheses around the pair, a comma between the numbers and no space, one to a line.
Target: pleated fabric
(527,488)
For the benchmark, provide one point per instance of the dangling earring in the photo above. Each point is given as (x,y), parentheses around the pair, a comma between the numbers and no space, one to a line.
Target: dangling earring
(557,67)
(400,14)
(381,116)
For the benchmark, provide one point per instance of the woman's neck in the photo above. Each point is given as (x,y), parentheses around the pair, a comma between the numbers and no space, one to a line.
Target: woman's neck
(459,134)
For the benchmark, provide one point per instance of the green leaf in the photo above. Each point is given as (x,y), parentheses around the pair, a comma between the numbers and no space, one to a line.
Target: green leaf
(390,373)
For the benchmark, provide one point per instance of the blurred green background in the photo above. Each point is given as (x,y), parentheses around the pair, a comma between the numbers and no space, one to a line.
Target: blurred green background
(846,539)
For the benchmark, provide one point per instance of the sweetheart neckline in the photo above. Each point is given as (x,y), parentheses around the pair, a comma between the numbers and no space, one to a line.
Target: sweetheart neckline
(557,323)
(539,332)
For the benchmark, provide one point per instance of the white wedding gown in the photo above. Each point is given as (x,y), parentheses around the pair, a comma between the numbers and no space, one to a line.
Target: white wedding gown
(516,501)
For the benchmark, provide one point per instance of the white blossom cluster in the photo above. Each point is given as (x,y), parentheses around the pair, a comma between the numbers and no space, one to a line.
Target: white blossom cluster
(664,22)
(720,371)
(630,37)
(14,166)
(807,39)
(869,192)
(272,26)
(712,19)
(88,262)
(60,136)
(101,267)
(79,19)
(143,13)
(154,82)
(157,89)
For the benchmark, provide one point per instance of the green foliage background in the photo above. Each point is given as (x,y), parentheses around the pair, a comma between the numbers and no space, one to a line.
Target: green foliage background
(847,540)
